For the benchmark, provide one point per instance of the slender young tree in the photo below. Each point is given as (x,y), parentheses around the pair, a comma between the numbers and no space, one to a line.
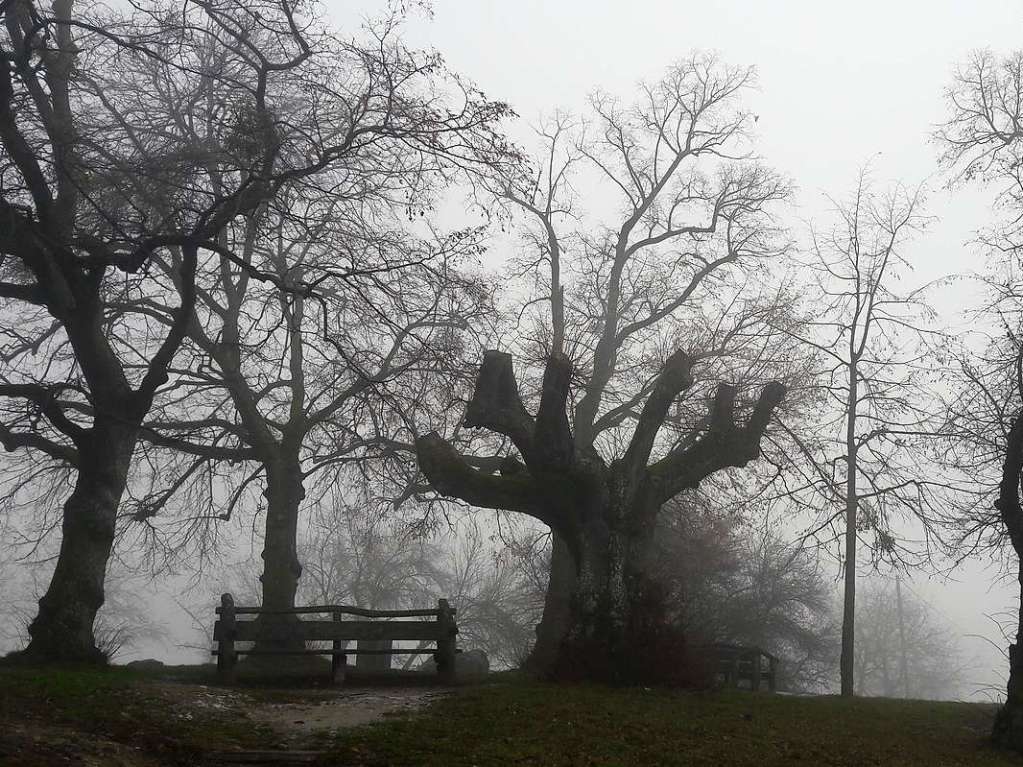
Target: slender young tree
(858,460)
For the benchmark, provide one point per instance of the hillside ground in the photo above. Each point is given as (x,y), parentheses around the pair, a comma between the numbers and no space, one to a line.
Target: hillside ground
(179,716)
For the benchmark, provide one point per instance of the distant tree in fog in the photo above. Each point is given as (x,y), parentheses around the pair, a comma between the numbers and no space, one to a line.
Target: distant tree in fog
(904,647)
(356,555)
(742,583)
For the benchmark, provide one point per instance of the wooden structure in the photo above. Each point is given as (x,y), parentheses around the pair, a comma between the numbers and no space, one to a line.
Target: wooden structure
(283,632)
(736,664)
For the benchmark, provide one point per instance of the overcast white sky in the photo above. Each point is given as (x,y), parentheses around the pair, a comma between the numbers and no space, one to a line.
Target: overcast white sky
(840,82)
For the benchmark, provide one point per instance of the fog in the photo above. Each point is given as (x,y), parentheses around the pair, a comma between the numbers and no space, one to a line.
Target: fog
(839,88)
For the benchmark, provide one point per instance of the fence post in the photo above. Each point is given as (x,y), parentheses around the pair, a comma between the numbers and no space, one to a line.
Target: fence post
(772,682)
(757,672)
(446,642)
(338,662)
(226,657)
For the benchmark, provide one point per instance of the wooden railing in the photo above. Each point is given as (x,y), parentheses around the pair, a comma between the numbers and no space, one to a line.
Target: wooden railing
(735,664)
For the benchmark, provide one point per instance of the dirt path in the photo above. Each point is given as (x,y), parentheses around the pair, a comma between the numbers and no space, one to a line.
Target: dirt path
(299,717)
(300,722)
(170,722)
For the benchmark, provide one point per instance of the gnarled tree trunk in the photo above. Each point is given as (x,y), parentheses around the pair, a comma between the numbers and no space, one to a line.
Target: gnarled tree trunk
(557,607)
(63,629)
(605,512)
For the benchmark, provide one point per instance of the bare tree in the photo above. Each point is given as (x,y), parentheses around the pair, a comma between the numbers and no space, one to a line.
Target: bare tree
(314,393)
(100,183)
(904,649)
(296,348)
(981,140)
(637,306)
(857,464)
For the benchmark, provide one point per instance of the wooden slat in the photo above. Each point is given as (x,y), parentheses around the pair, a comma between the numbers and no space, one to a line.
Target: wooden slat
(330,651)
(251,631)
(344,609)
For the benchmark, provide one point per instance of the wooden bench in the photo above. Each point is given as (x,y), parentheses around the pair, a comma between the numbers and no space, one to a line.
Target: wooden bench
(735,664)
(290,633)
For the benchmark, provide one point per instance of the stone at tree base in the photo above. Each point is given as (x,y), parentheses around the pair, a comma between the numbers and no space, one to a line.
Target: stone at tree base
(469,666)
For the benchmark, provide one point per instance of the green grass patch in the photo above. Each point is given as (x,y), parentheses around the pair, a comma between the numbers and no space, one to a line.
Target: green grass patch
(537,724)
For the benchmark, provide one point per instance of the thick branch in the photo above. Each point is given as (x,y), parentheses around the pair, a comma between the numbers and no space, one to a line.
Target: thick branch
(496,404)
(676,376)
(156,374)
(451,475)
(32,294)
(45,398)
(12,440)
(725,444)
(1008,503)
(553,437)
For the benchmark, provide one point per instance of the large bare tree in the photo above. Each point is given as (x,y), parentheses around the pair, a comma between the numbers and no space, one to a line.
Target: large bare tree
(627,317)
(104,176)
(341,287)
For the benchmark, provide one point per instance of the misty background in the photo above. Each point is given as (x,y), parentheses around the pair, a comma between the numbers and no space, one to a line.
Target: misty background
(840,87)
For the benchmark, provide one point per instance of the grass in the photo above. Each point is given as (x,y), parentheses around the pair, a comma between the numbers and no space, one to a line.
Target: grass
(50,714)
(117,716)
(535,724)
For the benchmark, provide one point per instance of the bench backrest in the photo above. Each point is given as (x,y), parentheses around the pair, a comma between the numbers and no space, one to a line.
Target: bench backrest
(337,627)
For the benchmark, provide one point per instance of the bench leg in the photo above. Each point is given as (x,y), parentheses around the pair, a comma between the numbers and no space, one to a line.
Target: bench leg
(226,662)
(338,667)
(445,658)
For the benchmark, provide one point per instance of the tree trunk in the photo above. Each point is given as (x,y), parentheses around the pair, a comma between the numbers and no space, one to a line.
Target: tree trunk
(1008,729)
(63,629)
(848,659)
(557,608)
(617,630)
(281,568)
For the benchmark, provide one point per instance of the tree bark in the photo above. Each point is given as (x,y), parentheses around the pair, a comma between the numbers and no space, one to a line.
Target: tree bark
(63,629)
(1008,728)
(618,628)
(557,608)
(281,568)
(848,659)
